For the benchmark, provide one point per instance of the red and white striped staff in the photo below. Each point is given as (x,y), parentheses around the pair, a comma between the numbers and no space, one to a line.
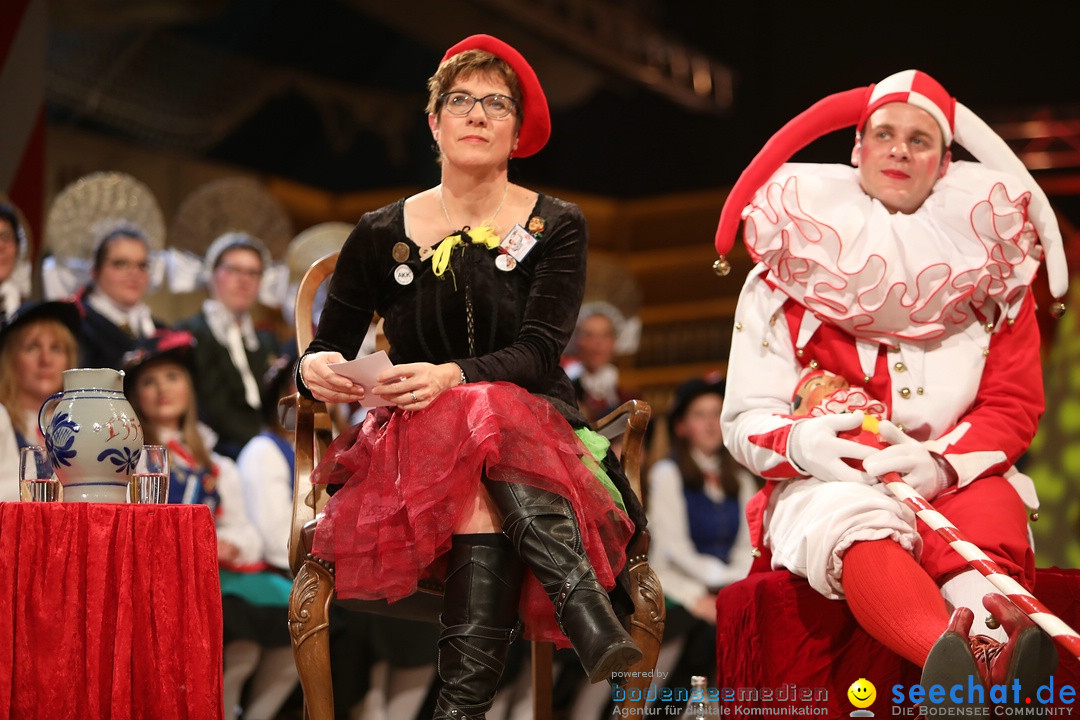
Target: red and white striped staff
(1054,626)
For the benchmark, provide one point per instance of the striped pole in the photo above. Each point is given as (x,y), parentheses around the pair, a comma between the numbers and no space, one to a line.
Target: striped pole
(1054,626)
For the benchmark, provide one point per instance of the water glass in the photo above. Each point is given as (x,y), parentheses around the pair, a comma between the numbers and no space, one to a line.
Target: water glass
(37,482)
(150,482)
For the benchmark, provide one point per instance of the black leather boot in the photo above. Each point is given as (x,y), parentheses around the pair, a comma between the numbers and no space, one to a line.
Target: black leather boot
(545,533)
(479,621)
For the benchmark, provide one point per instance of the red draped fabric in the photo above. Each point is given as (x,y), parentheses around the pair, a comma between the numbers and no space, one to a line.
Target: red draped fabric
(108,612)
(775,632)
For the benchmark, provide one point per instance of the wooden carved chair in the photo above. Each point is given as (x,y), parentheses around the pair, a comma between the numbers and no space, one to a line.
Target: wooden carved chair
(313,584)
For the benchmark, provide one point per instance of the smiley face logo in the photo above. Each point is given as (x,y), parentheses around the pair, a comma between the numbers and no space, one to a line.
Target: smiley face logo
(862,693)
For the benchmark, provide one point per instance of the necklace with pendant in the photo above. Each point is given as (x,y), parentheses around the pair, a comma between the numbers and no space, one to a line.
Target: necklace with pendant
(490,222)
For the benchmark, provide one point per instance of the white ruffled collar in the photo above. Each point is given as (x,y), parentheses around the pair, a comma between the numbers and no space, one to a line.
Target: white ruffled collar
(10,296)
(602,383)
(888,277)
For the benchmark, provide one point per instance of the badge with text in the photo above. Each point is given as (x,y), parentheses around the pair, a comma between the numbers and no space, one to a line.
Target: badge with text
(518,242)
(403,275)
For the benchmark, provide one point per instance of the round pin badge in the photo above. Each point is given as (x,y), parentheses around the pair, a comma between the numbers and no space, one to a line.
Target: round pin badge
(403,275)
(505,263)
(400,252)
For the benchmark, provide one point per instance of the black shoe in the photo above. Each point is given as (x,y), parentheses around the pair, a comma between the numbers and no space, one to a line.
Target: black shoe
(479,621)
(545,533)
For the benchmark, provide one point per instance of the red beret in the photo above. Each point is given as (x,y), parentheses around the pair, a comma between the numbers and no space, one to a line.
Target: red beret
(535,118)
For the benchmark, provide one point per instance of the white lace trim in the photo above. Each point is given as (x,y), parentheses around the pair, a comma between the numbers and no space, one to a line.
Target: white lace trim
(888,277)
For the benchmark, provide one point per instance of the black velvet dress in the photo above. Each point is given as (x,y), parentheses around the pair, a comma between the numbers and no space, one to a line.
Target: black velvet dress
(408,475)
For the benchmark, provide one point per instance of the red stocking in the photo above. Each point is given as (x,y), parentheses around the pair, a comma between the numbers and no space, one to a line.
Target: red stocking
(893,598)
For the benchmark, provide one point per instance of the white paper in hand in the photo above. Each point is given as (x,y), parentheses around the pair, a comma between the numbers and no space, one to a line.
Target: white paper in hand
(363,371)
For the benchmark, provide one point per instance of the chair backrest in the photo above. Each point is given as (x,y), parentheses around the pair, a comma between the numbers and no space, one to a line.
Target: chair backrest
(305,298)
(309,419)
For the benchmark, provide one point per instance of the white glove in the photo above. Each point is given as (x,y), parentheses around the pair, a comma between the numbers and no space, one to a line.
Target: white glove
(814,448)
(905,455)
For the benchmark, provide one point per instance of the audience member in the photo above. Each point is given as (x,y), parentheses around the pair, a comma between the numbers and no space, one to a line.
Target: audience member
(267,465)
(231,356)
(115,315)
(590,362)
(700,542)
(37,343)
(13,249)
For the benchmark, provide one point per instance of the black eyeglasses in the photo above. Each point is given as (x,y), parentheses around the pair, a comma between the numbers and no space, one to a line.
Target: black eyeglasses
(495,106)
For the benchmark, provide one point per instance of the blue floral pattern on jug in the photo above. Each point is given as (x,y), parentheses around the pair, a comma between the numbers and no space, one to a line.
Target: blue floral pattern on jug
(124,459)
(59,440)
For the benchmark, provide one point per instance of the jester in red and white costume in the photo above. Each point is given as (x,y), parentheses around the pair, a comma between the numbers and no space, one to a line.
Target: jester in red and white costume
(908,275)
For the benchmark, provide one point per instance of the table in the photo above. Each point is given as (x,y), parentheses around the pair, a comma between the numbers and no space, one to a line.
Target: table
(109,611)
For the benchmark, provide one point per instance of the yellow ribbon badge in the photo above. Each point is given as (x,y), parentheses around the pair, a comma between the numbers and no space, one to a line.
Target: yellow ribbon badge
(483,235)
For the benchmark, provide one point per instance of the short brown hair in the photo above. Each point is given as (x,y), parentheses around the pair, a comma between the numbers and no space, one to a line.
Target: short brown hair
(465,64)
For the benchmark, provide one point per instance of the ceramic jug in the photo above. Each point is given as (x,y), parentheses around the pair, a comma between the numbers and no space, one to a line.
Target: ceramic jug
(92,435)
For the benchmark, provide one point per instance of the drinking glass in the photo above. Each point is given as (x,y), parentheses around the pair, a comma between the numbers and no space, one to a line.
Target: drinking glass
(150,482)
(37,482)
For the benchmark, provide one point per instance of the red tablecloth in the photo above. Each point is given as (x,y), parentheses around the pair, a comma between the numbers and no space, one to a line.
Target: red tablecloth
(109,612)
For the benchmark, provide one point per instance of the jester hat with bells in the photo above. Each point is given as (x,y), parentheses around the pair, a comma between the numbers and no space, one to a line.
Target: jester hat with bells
(853,108)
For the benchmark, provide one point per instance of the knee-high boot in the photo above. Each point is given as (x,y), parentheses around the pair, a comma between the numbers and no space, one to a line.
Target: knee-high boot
(545,533)
(479,621)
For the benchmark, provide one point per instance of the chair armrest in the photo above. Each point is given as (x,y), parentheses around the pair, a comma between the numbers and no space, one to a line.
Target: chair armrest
(640,546)
(632,419)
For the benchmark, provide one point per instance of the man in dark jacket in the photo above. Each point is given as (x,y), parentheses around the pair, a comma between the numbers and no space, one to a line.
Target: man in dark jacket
(231,356)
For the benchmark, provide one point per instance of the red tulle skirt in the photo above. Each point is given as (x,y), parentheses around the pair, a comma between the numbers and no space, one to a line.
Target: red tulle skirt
(408,476)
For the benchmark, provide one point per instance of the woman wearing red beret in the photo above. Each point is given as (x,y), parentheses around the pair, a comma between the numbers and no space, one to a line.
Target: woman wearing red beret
(481,468)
